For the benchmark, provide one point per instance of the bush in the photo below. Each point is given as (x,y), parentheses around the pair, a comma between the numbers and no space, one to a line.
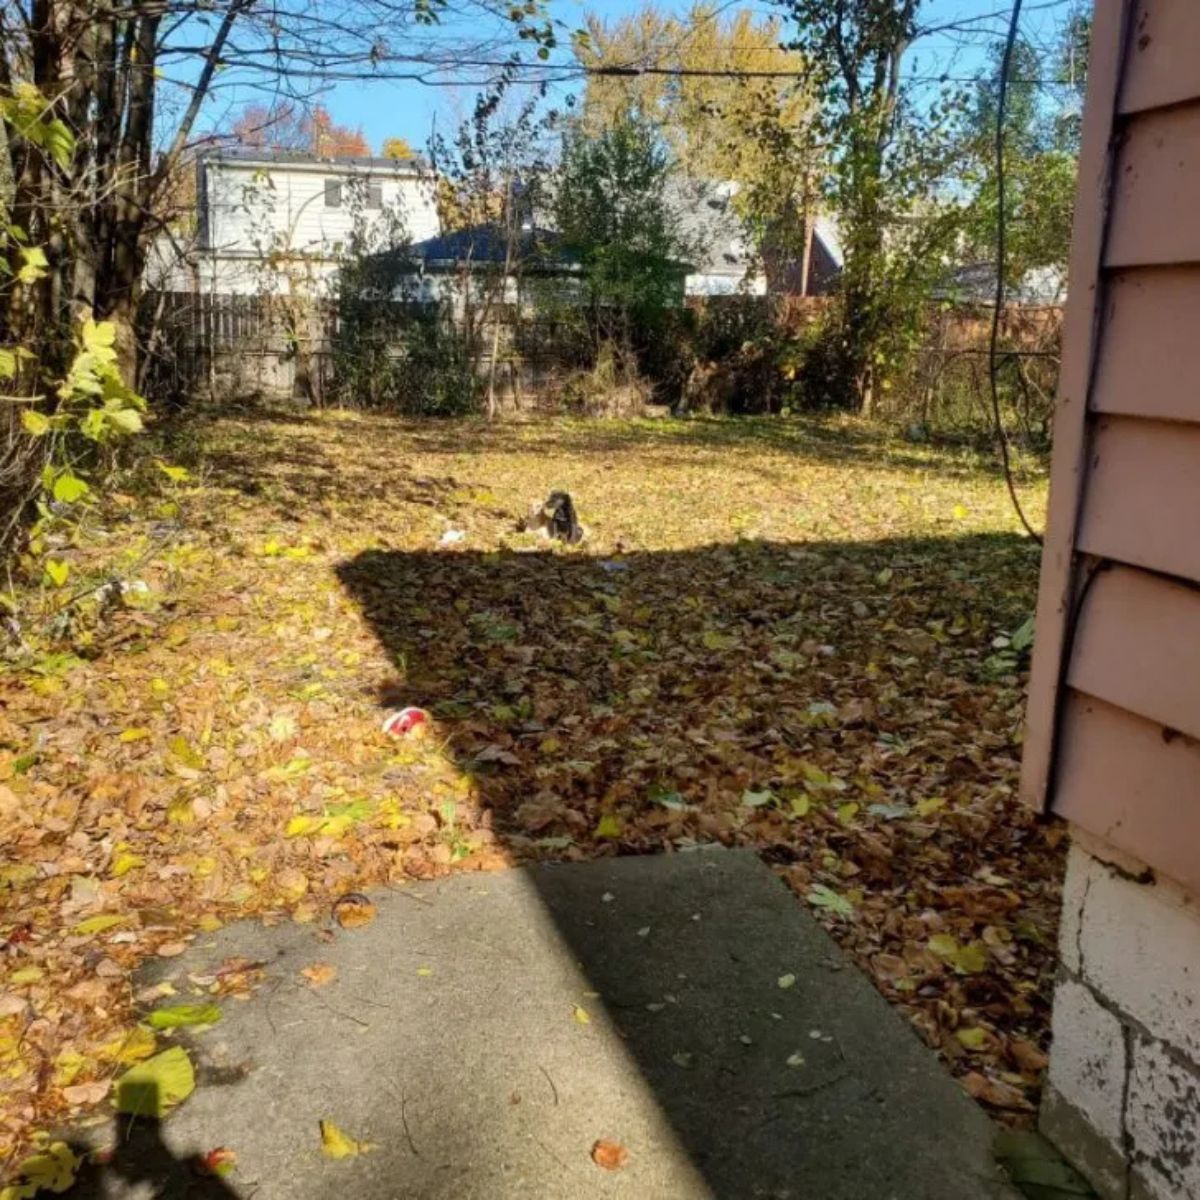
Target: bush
(409,358)
(437,374)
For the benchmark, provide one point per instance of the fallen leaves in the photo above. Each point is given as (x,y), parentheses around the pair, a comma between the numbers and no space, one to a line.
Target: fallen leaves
(220,756)
(217,1162)
(609,1155)
(353,910)
(181,1016)
(154,1087)
(51,1170)
(319,974)
(337,1144)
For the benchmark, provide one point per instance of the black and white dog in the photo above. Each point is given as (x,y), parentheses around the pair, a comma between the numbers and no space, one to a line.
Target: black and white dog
(555,517)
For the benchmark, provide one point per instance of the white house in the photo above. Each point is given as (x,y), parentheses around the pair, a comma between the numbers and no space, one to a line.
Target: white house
(274,222)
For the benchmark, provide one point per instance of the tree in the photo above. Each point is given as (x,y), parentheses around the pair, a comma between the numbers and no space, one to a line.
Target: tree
(398,148)
(329,140)
(751,128)
(612,210)
(280,126)
(889,162)
(1040,163)
(492,178)
(289,126)
(130,82)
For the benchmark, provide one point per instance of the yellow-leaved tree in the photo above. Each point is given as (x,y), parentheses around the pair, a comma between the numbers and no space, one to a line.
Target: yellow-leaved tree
(747,119)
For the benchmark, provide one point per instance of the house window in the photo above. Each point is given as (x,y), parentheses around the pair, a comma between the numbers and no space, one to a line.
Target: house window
(374,195)
(333,193)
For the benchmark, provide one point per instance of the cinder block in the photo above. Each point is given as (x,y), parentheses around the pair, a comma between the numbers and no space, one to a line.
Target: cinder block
(1163,1119)
(1080,866)
(1087,1059)
(1140,950)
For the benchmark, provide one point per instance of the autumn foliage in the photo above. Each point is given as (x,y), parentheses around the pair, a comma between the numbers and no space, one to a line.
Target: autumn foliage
(777,635)
(289,127)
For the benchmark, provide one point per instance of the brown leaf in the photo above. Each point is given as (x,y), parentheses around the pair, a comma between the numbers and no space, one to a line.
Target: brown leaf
(319,974)
(992,1091)
(171,949)
(612,1156)
(87,1093)
(353,910)
(1027,1056)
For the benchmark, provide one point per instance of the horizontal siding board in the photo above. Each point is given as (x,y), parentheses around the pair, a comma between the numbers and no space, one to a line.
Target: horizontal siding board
(1156,190)
(1149,359)
(1084,302)
(1164,63)
(1142,502)
(1122,780)
(1138,647)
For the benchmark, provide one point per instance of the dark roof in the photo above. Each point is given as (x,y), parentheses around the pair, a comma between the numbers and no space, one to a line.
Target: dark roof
(489,244)
(303,158)
(538,249)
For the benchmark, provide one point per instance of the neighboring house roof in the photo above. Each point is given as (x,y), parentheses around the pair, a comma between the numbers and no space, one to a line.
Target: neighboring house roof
(975,283)
(301,160)
(825,230)
(709,226)
(537,248)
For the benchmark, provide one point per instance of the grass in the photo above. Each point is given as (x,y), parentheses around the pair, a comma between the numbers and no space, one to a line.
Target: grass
(781,634)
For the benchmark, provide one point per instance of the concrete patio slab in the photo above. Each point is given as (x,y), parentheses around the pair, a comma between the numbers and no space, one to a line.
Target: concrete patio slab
(485,1031)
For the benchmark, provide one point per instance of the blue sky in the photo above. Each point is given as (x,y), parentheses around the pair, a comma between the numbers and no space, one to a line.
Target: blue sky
(408,109)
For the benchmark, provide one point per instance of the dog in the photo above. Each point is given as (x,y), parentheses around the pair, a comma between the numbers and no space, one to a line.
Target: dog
(555,518)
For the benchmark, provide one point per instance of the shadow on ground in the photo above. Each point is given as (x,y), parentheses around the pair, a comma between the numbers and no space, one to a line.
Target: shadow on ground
(743,695)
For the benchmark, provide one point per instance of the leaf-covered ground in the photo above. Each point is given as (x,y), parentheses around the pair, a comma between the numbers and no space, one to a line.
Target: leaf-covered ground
(784,635)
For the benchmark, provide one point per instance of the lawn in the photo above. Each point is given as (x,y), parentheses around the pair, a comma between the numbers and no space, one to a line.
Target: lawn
(789,635)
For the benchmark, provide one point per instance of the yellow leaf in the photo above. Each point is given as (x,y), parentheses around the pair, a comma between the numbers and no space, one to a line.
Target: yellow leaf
(847,812)
(180,1016)
(424,972)
(98,924)
(336,1144)
(125,862)
(51,1170)
(581,1015)
(181,812)
(68,1065)
(210,923)
(133,735)
(800,806)
(26,975)
(930,805)
(139,1043)
(943,945)
(302,826)
(57,572)
(960,512)
(973,1039)
(154,1087)
(609,826)
(181,749)
(971,959)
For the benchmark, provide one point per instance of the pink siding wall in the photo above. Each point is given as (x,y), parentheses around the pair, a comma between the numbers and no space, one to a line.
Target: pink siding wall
(1114,712)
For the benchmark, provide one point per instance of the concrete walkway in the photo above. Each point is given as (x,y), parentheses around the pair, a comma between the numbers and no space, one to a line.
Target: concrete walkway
(485,1031)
